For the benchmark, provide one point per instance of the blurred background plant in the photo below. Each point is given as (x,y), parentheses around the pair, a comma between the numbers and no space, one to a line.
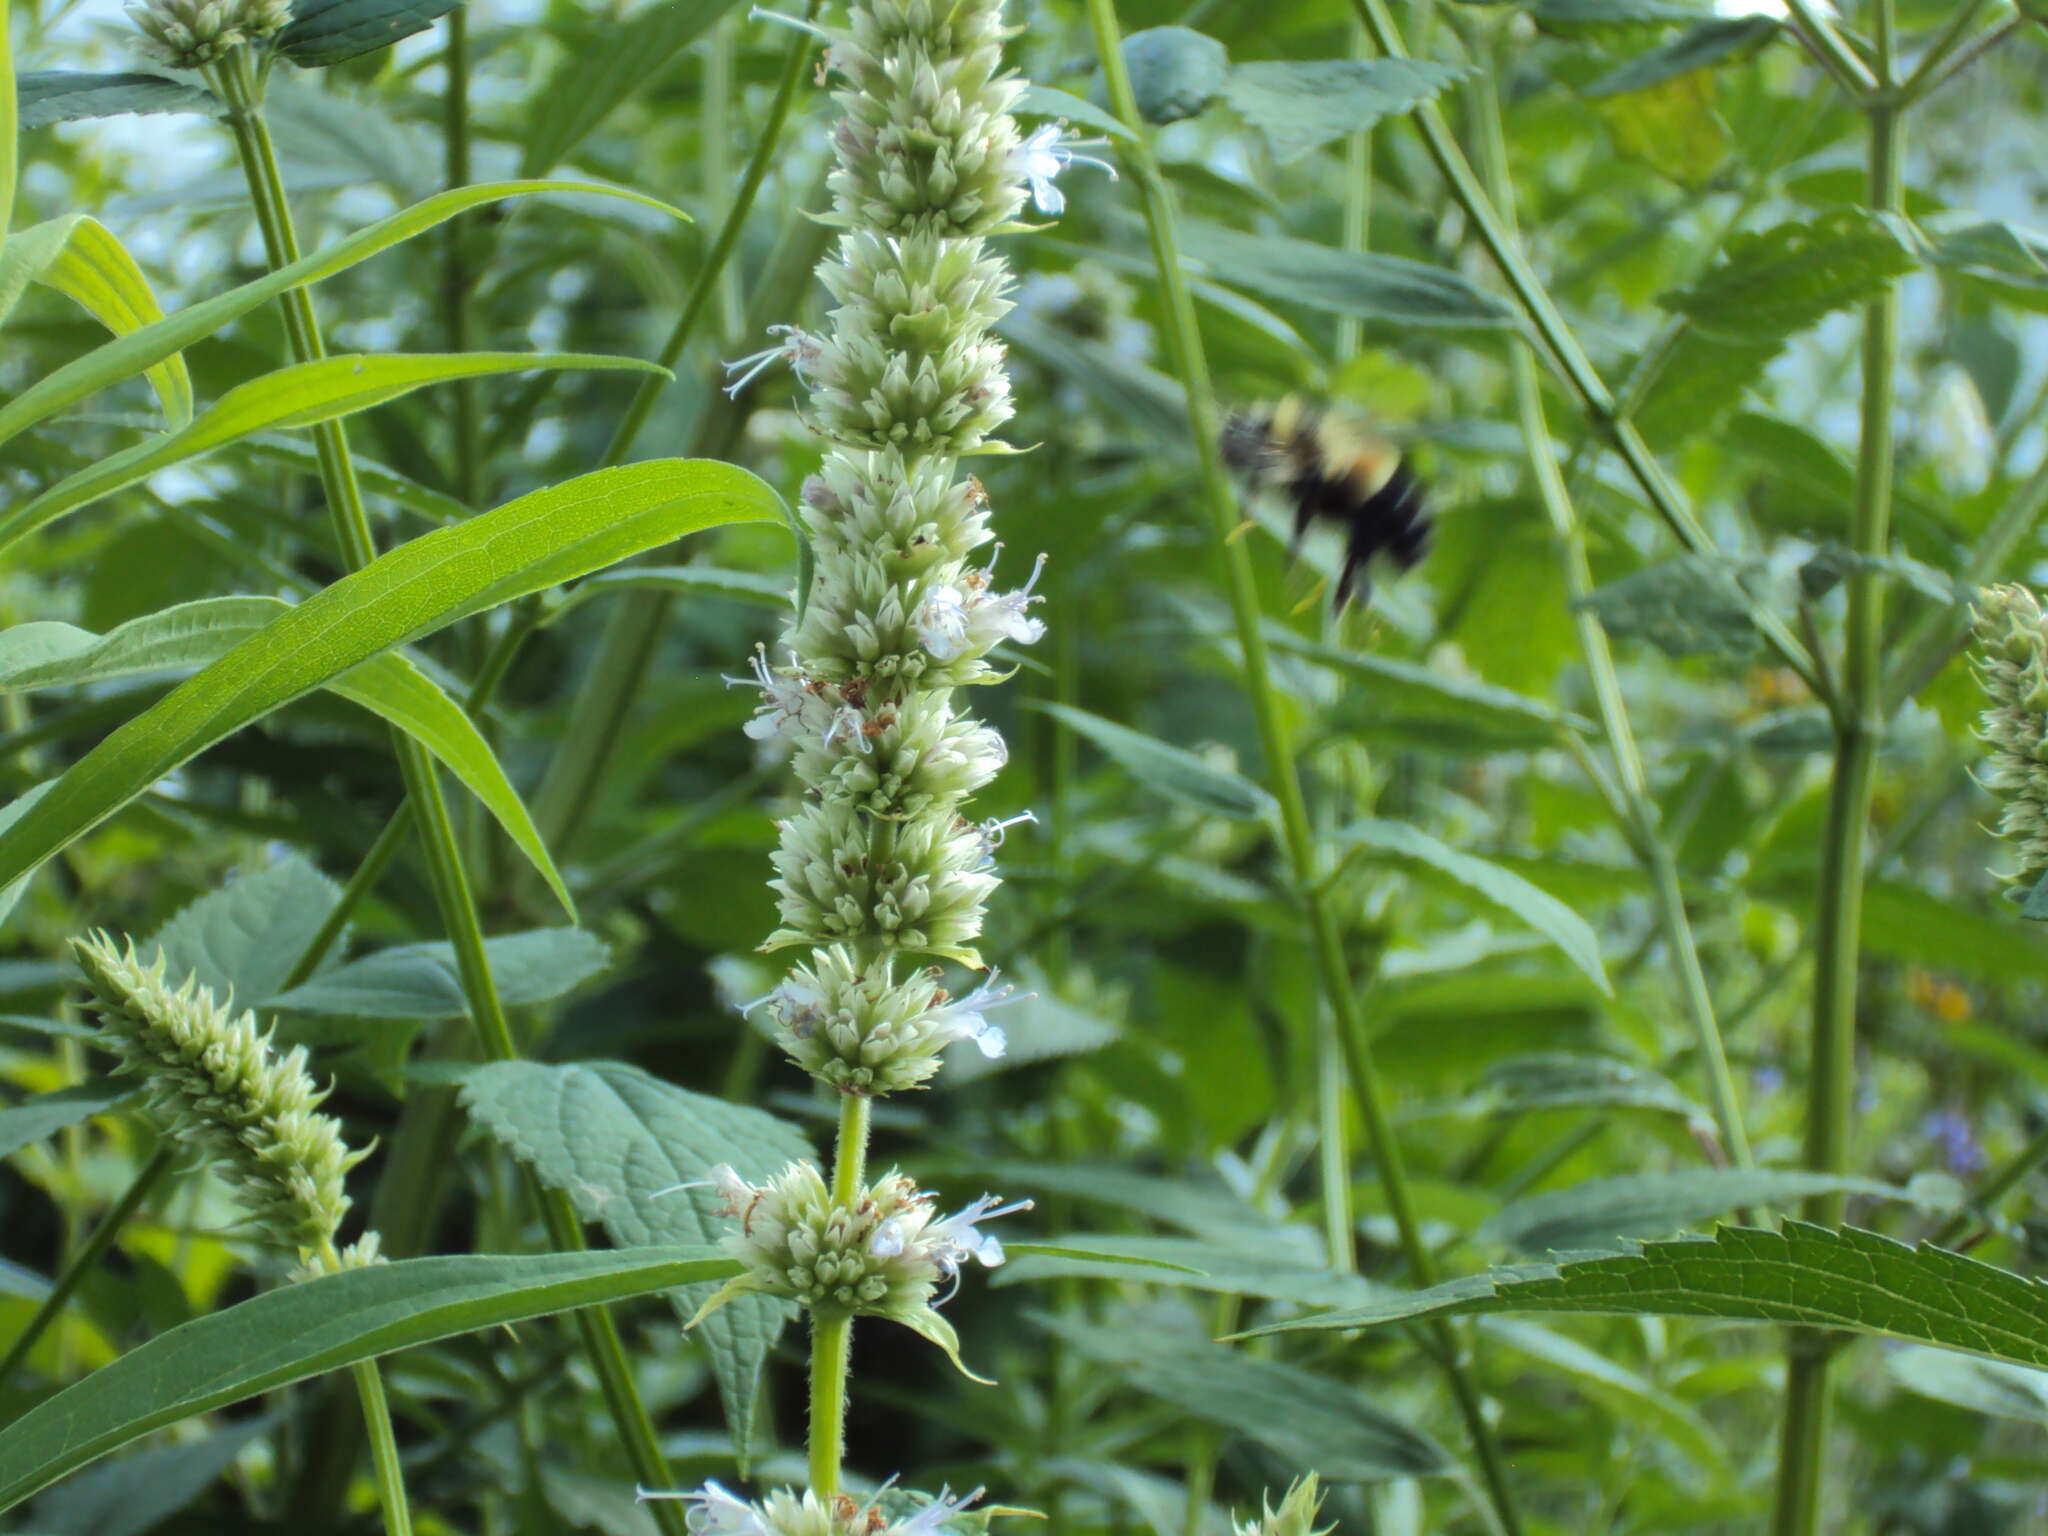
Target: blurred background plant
(1689,187)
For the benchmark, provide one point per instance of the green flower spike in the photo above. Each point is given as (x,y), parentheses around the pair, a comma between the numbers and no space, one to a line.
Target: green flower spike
(2012,665)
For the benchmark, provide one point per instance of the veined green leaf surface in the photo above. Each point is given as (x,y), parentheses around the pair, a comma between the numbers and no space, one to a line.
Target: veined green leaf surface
(324,32)
(1783,279)
(298,396)
(131,354)
(302,1330)
(1170,770)
(45,1114)
(1817,1277)
(1302,105)
(48,96)
(538,541)
(391,686)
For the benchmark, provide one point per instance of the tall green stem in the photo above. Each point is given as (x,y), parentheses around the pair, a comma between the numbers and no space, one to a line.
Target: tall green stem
(832,1333)
(457,281)
(383,1450)
(1859,722)
(1630,780)
(238,86)
(1219,502)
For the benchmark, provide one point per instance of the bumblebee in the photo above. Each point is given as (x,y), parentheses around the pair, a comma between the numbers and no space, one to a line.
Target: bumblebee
(1331,468)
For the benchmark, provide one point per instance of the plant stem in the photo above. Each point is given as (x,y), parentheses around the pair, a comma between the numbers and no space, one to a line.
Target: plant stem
(568,787)
(237,85)
(1183,334)
(1562,347)
(1858,725)
(89,1253)
(1965,17)
(457,281)
(832,1332)
(1631,782)
(383,1450)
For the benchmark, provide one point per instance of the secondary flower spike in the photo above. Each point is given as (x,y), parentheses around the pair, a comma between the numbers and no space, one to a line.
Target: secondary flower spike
(2012,665)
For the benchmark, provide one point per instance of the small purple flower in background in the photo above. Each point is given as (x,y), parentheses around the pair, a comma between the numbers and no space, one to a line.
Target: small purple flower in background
(1950,1130)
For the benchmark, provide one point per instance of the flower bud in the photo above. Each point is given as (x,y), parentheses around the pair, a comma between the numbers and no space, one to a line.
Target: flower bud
(1296,1515)
(190,34)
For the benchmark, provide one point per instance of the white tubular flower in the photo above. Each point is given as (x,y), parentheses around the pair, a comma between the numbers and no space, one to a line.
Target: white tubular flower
(1046,153)
(716,1512)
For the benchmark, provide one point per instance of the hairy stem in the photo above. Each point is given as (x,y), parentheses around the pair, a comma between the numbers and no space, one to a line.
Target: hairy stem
(1858,725)
(1219,502)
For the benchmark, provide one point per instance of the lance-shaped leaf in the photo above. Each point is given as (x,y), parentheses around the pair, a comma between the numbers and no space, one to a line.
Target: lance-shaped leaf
(298,396)
(66,95)
(1170,770)
(1373,287)
(324,32)
(131,354)
(302,1330)
(1818,1277)
(391,686)
(538,541)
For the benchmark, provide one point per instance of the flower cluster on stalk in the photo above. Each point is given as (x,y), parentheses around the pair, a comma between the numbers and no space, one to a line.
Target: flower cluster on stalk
(191,34)
(2011,659)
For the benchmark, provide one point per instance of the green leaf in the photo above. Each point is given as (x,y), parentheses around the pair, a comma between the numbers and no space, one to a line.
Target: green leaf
(1806,1275)
(1302,106)
(80,258)
(1779,281)
(1708,43)
(1702,379)
(324,32)
(2012,260)
(245,937)
(1689,605)
(1373,287)
(538,541)
(421,981)
(617,1142)
(48,1113)
(1311,1422)
(1170,770)
(1119,1256)
(1628,1395)
(298,396)
(1046,101)
(378,479)
(1230,1269)
(1499,888)
(137,1493)
(1573,1080)
(680,580)
(1608,1212)
(606,69)
(132,354)
(299,1331)
(1982,1386)
(47,96)
(391,686)
(10,123)
(1671,127)
(1175,72)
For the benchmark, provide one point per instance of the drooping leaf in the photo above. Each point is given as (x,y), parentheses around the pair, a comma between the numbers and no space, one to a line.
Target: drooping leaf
(1502,889)
(540,540)
(132,354)
(421,981)
(297,1331)
(46,96)
(1698,47)
(1982,1386)
(1170,770)
(1814,1276)
(297,396)
(133,1494)
(324,32)
(1368,285)
(1574,1080)
(1231,1269)
(45,1114)
(607,70)
(1607,1212)
(246,937)
(391,686)
(80,258)
(1311,1422)
(1175,72)
(1301,106)
(618,1142)
(1776,282)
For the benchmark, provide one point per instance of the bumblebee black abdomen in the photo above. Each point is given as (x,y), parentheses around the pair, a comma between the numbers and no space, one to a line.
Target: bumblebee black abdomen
(1332,470)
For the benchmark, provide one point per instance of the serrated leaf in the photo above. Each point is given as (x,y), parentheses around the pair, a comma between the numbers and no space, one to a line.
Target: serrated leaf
(1370,286)
(298,396)
(1608,1212)
(1697,48)
(1309,1421)
(1175,72)
(1702,380)
(1501,889)
(1773,283)
(617,1141)
(246,937)
(422,981)
(391,686)
(302,1330)
(620,58)
(1301,106)
(46,96)
(132,354)
(324,32)
(1689,605)
(1170,770)
(1810,1276)
(528,545)
(45,1114)
(81,258)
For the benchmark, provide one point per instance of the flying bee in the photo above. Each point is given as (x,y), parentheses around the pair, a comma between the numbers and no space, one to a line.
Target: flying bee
(1331,468)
